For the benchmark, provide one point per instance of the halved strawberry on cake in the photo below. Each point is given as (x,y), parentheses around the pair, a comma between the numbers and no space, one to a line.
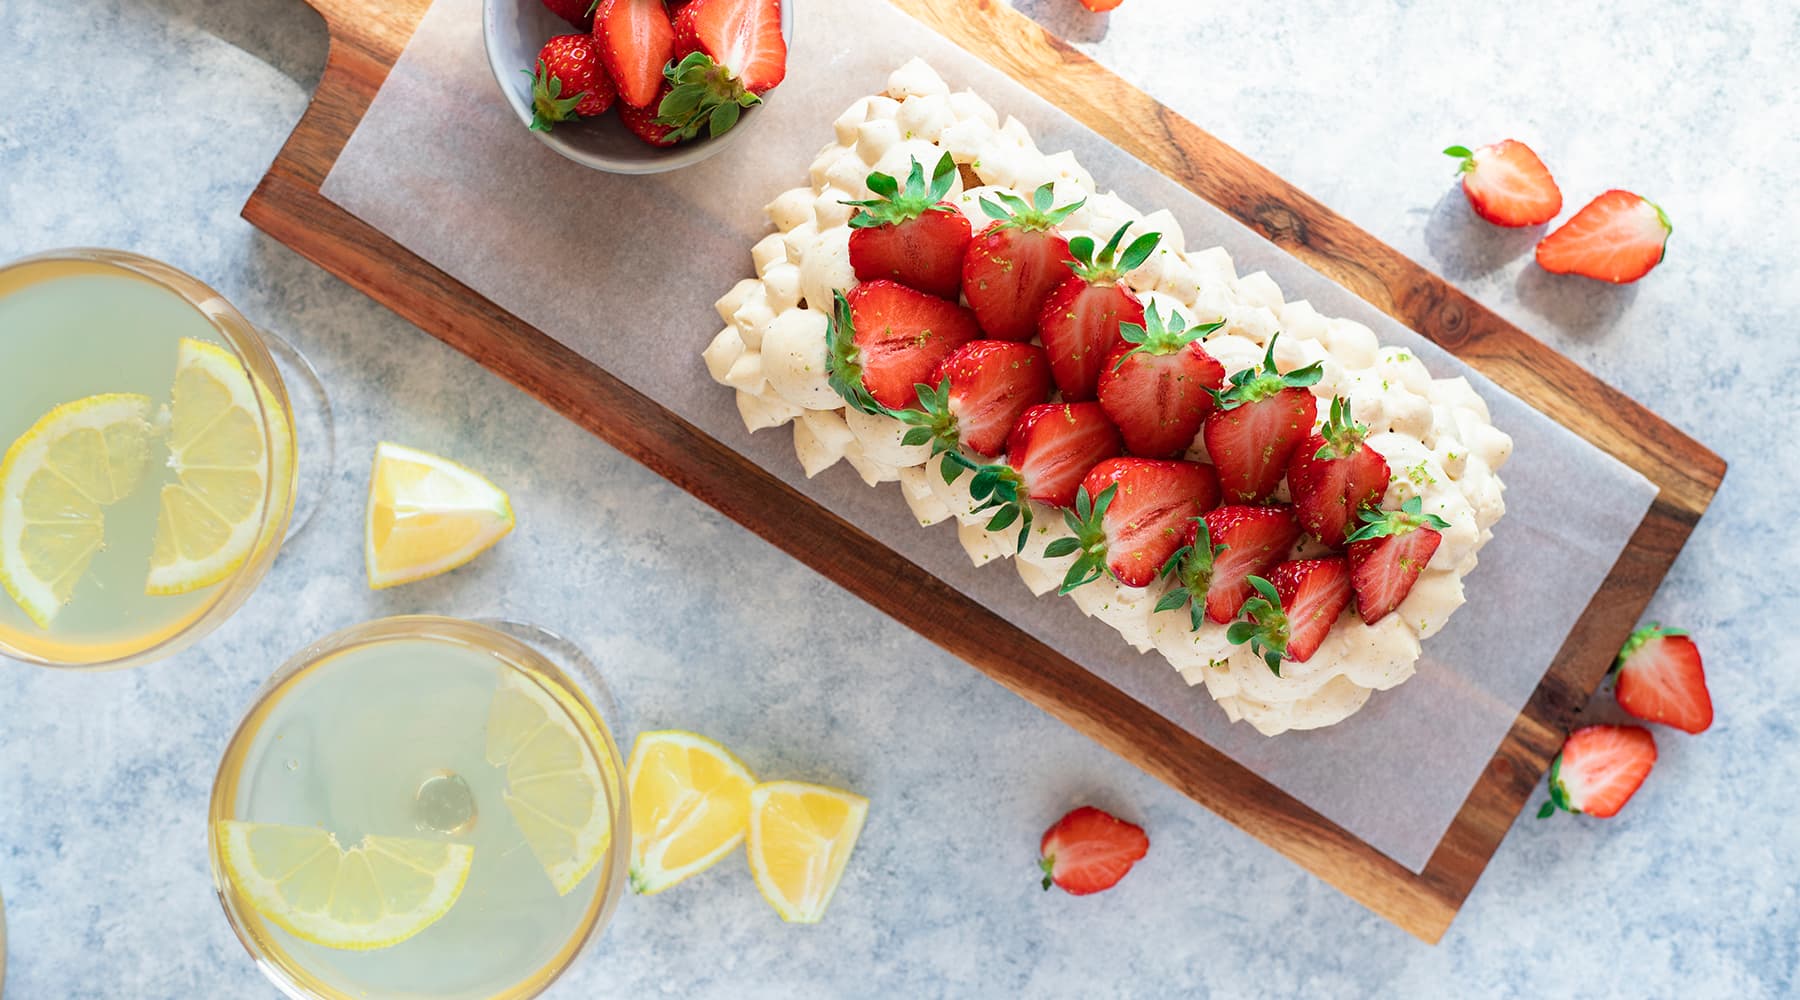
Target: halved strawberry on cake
(1276,503)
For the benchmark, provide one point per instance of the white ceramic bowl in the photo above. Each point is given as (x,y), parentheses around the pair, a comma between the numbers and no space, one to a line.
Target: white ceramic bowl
(514,31)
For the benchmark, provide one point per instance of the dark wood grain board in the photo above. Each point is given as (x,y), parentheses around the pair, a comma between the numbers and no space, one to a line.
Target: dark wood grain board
(367,37)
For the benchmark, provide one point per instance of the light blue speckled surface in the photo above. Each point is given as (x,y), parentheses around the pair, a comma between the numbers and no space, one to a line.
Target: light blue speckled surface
(1691,892)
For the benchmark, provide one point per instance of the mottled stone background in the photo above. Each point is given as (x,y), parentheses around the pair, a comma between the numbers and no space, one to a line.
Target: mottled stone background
(145,124)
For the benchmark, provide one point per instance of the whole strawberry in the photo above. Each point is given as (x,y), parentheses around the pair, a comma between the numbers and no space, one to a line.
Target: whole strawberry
(579,13)
(569,83)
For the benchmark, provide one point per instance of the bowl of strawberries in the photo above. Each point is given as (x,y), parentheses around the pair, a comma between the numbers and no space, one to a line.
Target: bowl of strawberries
(637,86)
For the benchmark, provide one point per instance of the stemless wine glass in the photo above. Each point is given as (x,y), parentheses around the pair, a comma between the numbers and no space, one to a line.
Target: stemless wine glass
(421,807)
(149,473)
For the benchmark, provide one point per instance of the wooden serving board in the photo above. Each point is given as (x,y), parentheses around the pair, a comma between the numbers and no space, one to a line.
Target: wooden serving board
(367,37)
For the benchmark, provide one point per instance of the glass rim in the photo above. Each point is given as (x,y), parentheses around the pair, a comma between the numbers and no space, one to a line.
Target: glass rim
(297,983)
(245,340)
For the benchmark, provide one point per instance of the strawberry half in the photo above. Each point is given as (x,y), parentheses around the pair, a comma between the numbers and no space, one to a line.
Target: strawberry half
(911,235)
(568,64)
(1220,553)
(1050,450)
(1089,851)
(1016,262)
(1660,679)
(1081,318)
(976,395)
(730,52)
(1158,385)
(1129,518)
(1599,769)
(886,339)
(636,41)
(1334,475)
(1261,419)
(1294,610)
(1388,553)
(1617,237)
(1507,184)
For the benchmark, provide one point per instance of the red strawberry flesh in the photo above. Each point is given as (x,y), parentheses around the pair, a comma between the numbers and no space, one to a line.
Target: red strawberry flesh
(925,253)
(1508,185)
(1055,445)
(1256,540)
(1617,237)
(1089,851)
(1009,274)
(1080,327)
(1251,444)
(1153,508)
(1661,679)
(1314,592)
(1384,569)
(1159,401)
(744,36)
(1600,768)
(992,383)
(902,335)
(635,40)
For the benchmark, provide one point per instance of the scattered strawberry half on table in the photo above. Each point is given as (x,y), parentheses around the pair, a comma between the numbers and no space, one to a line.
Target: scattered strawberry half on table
(676,71)
(1618,237)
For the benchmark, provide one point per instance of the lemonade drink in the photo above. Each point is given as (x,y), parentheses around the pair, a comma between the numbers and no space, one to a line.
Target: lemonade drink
(488,790)
(102,456)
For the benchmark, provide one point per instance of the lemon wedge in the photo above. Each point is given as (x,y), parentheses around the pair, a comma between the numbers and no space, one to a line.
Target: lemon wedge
(374,895)
(801,837)
(555,788)
(690,805)
(210,517)
(428,515)
(78,458)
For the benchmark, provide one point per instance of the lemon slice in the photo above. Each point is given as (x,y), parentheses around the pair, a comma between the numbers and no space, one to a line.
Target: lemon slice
(690,805)
(801,837)
(210,517)
(374,895)
(76,459)
(428,515)
(555,789)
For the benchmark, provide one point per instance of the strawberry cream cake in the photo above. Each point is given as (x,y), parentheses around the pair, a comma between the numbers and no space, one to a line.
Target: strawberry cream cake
(1277,504)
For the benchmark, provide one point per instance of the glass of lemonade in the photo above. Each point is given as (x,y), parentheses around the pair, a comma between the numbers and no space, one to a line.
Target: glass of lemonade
(420,807)
(149,470)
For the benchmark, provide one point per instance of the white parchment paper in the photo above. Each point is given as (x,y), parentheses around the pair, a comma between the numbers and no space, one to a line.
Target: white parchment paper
(441,165)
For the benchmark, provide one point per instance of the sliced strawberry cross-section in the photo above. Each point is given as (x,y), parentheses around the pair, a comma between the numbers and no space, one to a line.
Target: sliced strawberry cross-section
(1221,552)
(1016,262)
(886,339)
(1089,851)
(1599,769)
(1659,678)
(1082,318)
(910,234)
(1158,384)
(1130,516)
(1262,417)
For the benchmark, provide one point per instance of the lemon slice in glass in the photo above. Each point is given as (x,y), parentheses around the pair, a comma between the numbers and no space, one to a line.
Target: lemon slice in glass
(801,837)
(554,790)
(56,477)
(690,805)
(428,515)
(210,517)
(374,895)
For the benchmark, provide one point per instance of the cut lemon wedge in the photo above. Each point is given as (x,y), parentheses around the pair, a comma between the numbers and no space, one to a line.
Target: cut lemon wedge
(428,515)
(690,805)
(78,458)
(210,517)
(374,895)
(555,790)
(801,837)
